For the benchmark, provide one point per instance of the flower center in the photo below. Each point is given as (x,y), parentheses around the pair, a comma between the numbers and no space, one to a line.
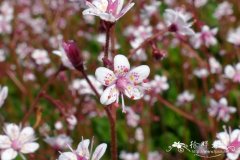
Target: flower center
(173,28)
(16,145)
(121,83)
(234,146)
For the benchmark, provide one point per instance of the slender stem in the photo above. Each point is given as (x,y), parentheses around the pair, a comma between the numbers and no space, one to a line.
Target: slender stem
(38,97)
(182,113)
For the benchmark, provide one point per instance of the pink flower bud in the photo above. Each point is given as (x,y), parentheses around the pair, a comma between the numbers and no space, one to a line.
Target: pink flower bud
(73,54)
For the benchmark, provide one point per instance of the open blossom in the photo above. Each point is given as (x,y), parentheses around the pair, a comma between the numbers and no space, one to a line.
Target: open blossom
(177,22)
(224,9)
(108,10)
(3,95)
(59,142)
(158,84)
(198,3)
(185,97)
(17,140)
(233,72)
(122,81)
(205,37)
(234,36)
(40,56)
(201,72)
(221,110)
(82,152)
(229,142)
(139,135)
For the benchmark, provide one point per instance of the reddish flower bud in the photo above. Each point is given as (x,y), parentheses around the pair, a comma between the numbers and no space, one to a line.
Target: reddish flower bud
(73,54)
(159,54)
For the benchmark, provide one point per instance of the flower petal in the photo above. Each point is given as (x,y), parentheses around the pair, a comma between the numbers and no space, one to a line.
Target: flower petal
(67,156)
(121,65)
(12,130)
(4,142)
(125,10)
(8,154)
(109,95)
(105,76)
(133,92)
(82,148)
(99,151)
(29,148)
(138,74)
(229,71)
(26,135)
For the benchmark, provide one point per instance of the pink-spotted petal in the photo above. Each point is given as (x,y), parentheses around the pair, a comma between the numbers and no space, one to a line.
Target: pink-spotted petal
(109,95)
(139,74)
(133,92)
(105,76)
(121,65)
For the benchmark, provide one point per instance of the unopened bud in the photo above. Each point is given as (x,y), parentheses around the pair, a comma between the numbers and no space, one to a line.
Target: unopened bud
(73,54)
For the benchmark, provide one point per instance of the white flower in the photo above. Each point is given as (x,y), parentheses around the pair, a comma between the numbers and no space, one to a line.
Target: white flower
(83,88)
(152,8)
(59,142)
(158,84)
(234,36)
(2,55)
(17,140)
(201,72)
(154,156)
(215,66)
(230,142)
(139,135)
(223,9)
(83,153)
(72,122)
(132,118)
(3,95)
(108,10)
(177,22)
(184,98)
(221,110)
(178,145)
(122,81)
(205,37)
(40,56)
(232,72)
(198,3)
(129,156)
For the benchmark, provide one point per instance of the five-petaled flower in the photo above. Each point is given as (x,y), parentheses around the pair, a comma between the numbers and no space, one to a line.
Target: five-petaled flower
(17,140)
(122,81)
(83,153)
(108,10)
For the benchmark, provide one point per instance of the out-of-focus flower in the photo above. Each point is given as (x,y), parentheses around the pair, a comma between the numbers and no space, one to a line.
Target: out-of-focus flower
(234,36)
(108,10)
(129,156)
(233,72)
(72,122)
(152,8)
(2,55)
(221,110)
(201,72)
(3,95)
(132,118)
(73,54)
(185,97)
(223,9)
(5,26)
(83,88)
(198,3)
(229,142)
(83,153)
(139,136)
(158,84)
(59,142)
(154,156)
(29,76)
(177,22)
(17,140)
(215,66)
(122,81)
(205,37)
(41,56)
(58,125)
(7,10)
